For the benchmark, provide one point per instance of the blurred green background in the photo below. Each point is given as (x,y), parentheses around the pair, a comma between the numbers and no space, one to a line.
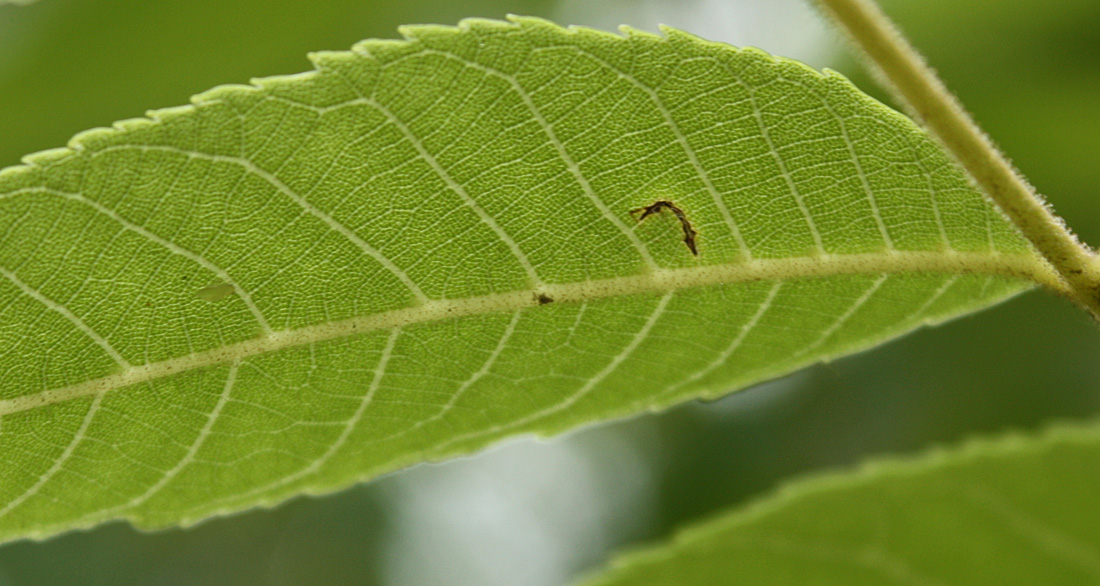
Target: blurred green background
(532,512)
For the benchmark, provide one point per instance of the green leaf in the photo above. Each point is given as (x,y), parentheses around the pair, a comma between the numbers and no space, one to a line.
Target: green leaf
(427,245)
(1015,510)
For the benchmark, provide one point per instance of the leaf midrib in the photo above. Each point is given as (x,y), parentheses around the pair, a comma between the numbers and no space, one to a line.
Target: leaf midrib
(1019,266)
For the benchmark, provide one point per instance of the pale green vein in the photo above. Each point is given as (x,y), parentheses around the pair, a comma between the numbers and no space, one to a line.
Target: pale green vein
(170,246)
(844,317)
(891,568)
(658,281)
(765,305)
(1044,536)
(188,457)
(68,315)
(875,213)
(580,393)
(552,136)
(59,463)
(932,197)
(458,189)
(681,139)
(936,295)
(345,433)
(758,117)
(283,188)
(486,366)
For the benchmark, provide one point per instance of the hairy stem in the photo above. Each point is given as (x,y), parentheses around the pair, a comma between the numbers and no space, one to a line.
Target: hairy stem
(910,78)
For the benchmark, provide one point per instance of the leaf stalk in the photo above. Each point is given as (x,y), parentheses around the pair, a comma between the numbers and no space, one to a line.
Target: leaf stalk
(914,83)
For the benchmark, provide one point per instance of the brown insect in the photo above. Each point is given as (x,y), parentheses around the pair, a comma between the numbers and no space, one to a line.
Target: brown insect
(657,206)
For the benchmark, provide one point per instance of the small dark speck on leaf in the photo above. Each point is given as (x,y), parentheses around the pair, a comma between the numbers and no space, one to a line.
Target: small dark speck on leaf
(543,298)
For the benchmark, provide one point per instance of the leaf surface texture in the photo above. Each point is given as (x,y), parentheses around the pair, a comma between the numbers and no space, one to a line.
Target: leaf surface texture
(426,245)
(1015,510)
